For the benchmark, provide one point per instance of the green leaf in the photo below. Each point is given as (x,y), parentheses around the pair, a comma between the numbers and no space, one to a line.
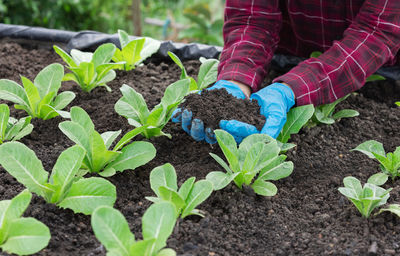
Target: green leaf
(264,188)
(150,47)
(172,196)
(49,79)
(103,54)
(277,172)
(62,100)
(123,38)
(222,163)
(112,230)
(86,73)
(369,147)
(22,163)
(65,56)
(86,195)
(166,252)
(109,137)
(128,137)
(186,188)
(26,236)
(132,105)
(20,129)
(175,93)
(315,54)
(80,56)
(134,155)
(200,192)
(100,155)
(158,222)
(131,53)
(4,116)
(296,119)
(393,208)
(178,62)
(103,71)
(33,95)
(65,170)
(108,172)
(11,91)
(144,247)
(220,180)
(345,113)
(163,175)
(79,115)
(207,74)
(229,147)
(374,77)
(378,179)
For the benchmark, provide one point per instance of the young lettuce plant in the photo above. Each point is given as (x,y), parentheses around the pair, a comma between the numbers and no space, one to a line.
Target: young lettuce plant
(368,197)
(134,52)
(164,184)
(65,187)
(12,129)
(254,163)
(90,70)
(39,99)
(389,163)
(133,107)
(112,230)
(324,114)
(19,235)
(296,118)
(207,72)
(98,157)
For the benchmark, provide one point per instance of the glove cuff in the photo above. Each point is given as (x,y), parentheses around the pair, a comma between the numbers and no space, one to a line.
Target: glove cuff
(284,91)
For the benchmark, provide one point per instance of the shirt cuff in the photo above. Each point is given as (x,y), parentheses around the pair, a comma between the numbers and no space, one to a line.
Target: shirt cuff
(240,73)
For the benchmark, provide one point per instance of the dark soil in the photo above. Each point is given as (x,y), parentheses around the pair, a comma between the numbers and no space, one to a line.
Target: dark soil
(308,216)
(215,105)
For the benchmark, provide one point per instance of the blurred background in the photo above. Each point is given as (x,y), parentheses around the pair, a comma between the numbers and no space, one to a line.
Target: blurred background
(186,21)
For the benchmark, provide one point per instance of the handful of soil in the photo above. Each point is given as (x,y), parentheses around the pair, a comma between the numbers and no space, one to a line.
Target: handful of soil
(211,106)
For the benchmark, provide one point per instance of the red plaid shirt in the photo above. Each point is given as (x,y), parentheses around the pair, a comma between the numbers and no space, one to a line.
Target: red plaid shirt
(356,36)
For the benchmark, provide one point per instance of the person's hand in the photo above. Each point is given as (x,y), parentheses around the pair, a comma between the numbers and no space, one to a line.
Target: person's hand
(195,127)
(275,101)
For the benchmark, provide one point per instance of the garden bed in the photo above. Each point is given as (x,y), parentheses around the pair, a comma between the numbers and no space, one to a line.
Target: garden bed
(308,216)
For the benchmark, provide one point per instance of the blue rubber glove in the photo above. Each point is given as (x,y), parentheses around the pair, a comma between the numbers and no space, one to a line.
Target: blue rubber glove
(275,101)
(195,127)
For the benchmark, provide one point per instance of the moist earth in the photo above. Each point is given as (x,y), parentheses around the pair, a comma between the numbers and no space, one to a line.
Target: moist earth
(308,216)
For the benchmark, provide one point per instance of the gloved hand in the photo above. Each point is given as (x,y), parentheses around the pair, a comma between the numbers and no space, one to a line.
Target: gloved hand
(195,127)
(275,101)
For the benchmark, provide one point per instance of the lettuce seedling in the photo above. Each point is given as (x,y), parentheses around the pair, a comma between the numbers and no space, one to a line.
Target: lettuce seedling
(112,230)
(90,70)
(296,118)
(397,103)
(207,73)
(324,114)
(98,157)
(366,198)
(39,99)
(65,187)
(19,235)
(389,163)
(12,129)
(134,52)
(133,107)
(191,194)
(256,161)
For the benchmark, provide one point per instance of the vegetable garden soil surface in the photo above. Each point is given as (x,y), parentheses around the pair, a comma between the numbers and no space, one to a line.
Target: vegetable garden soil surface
(308,216)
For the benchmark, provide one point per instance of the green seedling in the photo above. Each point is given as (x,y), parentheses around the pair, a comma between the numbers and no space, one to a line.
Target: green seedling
(98,157)
(324,114)
(22,236)
(254,163)
(112,230)
(133,107)
(397,103)
(39,99)
(207,72)
(296,118)
(134,52)
(389,163)
(65,187)
(368,197)
(191,194)
(90,70)
(12,129)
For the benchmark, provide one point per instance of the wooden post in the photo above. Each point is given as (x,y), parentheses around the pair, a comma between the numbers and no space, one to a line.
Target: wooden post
(136,18)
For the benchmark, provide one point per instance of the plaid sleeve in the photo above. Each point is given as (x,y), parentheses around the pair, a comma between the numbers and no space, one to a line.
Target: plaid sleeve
(372,40)
(250,32)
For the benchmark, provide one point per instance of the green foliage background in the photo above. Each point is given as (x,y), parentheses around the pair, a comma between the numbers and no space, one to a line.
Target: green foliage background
(110,15)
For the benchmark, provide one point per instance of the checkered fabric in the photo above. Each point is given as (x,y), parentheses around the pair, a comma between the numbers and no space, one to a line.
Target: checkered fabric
(356,37)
